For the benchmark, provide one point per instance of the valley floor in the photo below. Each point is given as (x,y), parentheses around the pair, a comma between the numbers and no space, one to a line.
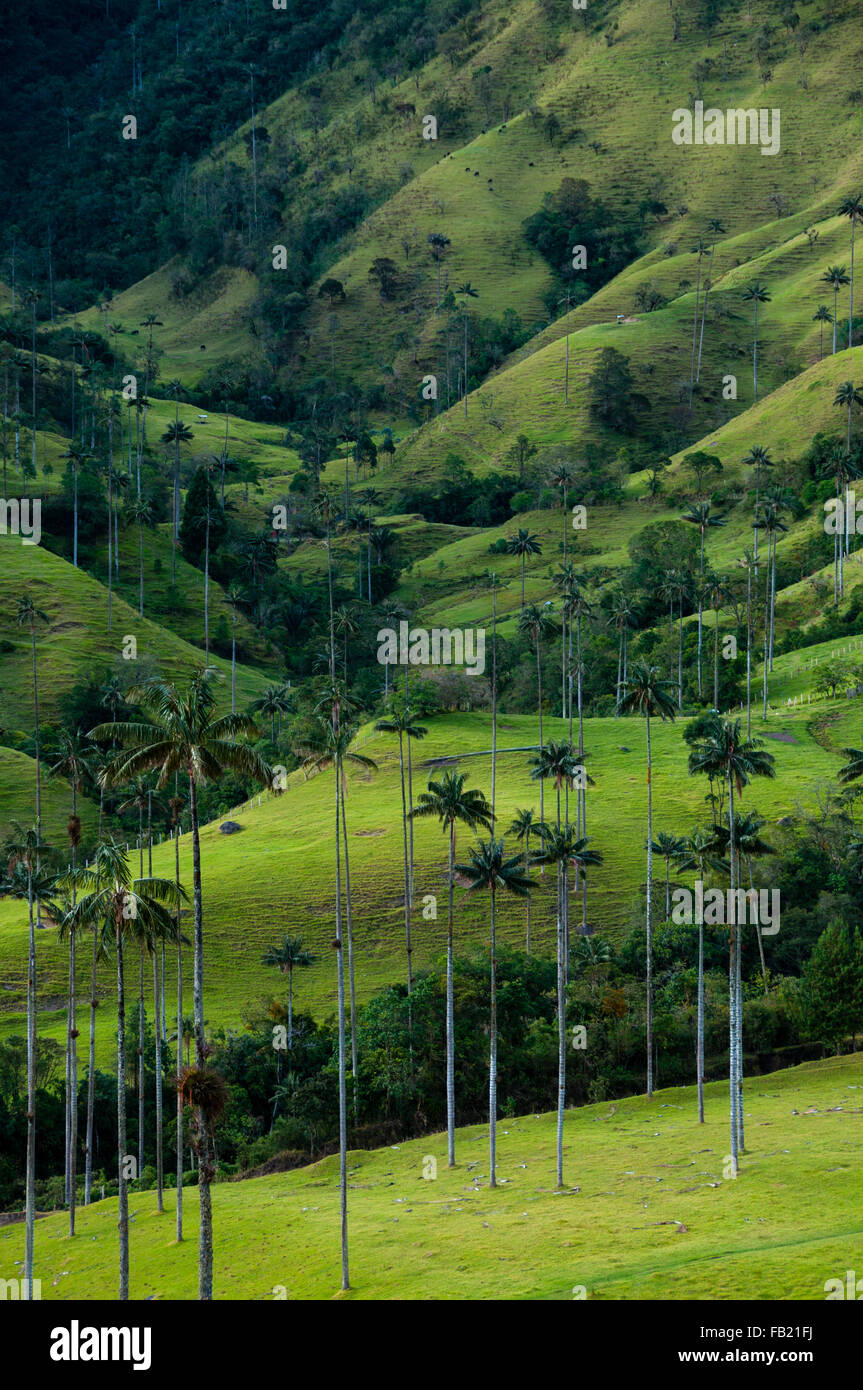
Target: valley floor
(649,1213)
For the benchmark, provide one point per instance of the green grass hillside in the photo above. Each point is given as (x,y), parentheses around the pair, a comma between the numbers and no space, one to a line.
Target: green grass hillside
(279,868)
(647,1213)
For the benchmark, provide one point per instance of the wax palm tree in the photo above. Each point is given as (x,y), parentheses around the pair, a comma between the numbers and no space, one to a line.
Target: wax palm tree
(187,737)
(127,908)
(536,623)
(75,765)
(770,520)
(407,726)
(699,248)
(562,477)
(276,700)
(370,499)
(331,747)
(77,458)
(526,823)
(141,513)
(727,753)
(346,626)
(136,799)
(467,293)
(752,845)
(647,694)
(668,847)
(22,850)
(852,208)
(716,229)
(452,803)
(288,956)
(563,847)
(176,434)
(566,582)
(717,591)
(700,514)
(682,592)
(848,395)
(747,562)
(176,804)
(821,316)
(236,598)
(490,869)
(759,458)
(623,619)
(523,544)
(835,276)
(699,851)
(756,294)
(580,609)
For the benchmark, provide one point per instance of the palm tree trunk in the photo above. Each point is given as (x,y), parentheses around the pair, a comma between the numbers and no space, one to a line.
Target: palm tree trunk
(539,704)
(699,1041)
(680,654)
(234,664)
(492,1059)
(73,1080)
(343,1113)
(179,1041)
(353,996)
(91,1075)
(157,1034)
(527,900)
(205,1163)
(648,918)
(141,1060)
(562,913)
(406,870)
(123,1194)
(716,658)
(30,1185)
(732,997)
(450,1012)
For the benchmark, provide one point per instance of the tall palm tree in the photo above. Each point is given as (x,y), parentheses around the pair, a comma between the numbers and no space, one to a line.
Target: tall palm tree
(835,276)
(141,513)
(726,753)
(852,208)
(135,799)
(699,248)
(747,562)
(187,737)
(75,765)
(332,748)
(562,846)
(770,520)
(288,956)
(23,849)
(821,316)
(646,693)
(756,294)
(562,477)
(235,597)
(751,845)
(716,229)
(699,514)
(682,591)
(176,804)
(523,544)
(176,434)
(449,800)
(276,700)
(536,623)
(759,458)
(669,848)
(622,618)
(127,908)
(407,726)
(77,458)
(370,499)
(699,851)
(849,395)
(467,293)
(716,588)
(526,823)
(490,869)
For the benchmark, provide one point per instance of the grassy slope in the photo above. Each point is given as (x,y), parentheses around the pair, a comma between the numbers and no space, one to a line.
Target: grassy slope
(288,839)
(76,641)
(17,799)
(648,1214)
